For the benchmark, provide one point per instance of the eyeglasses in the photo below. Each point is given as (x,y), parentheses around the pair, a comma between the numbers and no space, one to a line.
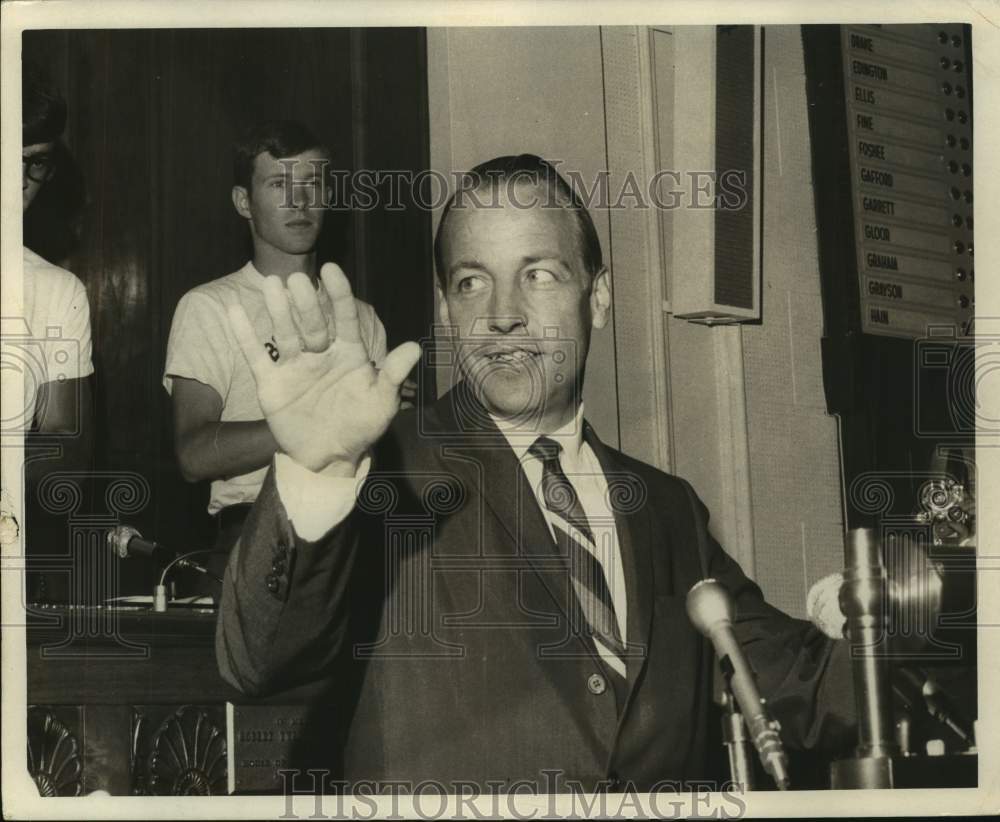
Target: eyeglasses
(38,167)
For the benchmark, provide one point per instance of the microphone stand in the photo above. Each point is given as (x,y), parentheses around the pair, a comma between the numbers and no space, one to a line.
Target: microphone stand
(737,742)
(862,598)
(711,611)
(160,591)
(126,542)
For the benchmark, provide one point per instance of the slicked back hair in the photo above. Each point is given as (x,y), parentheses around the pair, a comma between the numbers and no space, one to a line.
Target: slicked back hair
(516,169)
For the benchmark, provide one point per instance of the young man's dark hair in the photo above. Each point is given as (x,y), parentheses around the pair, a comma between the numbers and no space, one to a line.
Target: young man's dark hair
(43,110)
(279,138)
(532,169)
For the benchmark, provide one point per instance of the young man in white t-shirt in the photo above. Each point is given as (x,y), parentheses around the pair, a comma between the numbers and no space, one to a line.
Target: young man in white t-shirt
(219,429)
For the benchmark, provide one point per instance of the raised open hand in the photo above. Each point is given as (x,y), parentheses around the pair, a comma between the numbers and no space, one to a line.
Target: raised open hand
(324,401)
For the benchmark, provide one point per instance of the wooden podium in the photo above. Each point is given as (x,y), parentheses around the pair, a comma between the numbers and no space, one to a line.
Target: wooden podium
(131,702)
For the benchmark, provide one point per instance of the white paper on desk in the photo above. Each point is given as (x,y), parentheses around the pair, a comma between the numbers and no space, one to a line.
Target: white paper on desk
(147,599)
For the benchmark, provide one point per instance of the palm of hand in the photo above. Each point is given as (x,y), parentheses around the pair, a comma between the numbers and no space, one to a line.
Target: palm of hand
(326,406)
(324,402)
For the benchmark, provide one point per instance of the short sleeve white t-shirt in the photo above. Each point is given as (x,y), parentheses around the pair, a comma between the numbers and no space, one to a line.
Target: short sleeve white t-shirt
(53,340)
(202,347)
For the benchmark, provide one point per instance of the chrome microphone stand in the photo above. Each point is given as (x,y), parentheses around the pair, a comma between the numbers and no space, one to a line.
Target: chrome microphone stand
(863,601)
(737,742)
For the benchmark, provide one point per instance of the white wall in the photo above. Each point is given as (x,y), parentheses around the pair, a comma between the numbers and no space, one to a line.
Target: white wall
(748,414)
(794,466)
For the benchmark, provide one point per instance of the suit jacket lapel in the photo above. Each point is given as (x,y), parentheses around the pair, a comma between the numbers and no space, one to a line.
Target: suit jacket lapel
(491,466)
(484,457)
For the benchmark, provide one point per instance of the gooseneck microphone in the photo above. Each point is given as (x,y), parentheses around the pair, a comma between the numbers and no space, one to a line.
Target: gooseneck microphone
(710,609)
(126,542)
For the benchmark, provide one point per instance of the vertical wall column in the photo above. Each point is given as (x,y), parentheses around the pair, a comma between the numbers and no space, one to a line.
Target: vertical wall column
(635,247)
(705,370)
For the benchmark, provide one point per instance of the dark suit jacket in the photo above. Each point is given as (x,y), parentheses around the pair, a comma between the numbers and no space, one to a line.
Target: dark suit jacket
(448,624)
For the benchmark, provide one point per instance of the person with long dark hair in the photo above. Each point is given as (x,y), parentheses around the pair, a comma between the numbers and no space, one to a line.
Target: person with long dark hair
(51,337)
(56,318)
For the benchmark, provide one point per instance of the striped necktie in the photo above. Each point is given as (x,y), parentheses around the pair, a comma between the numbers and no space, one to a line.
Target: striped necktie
(576,542)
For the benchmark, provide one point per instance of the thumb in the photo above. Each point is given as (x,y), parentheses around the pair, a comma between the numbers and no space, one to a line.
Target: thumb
(399,362)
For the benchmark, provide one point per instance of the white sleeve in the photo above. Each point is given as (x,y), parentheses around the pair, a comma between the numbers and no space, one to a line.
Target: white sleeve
(200,345)
(70,313)
(316,503)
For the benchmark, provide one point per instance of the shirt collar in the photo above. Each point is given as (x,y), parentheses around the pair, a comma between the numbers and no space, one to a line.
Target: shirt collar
(569,436)
(252,273)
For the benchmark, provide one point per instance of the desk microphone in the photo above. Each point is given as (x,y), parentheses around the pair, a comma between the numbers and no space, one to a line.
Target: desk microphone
(710,609)
(126,542)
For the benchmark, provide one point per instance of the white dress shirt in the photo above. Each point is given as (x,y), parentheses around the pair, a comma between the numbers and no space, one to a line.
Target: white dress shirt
(581,467)
(315,503)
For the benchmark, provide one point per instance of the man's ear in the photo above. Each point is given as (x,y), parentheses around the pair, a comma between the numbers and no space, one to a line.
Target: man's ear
(241,201)
(600,298)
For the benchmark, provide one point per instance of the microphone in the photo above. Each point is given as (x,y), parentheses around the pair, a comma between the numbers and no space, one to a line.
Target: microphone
(920,693)
(126,542)
(710,609)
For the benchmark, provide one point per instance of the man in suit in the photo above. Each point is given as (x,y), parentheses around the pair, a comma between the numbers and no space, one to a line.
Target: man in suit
(497,596)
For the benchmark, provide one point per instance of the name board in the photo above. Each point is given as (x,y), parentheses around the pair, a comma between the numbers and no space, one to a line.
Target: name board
(909,115)
(263,740)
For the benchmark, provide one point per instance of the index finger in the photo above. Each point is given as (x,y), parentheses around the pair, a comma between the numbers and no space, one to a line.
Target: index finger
(257,358)
(286,335)
(345,310)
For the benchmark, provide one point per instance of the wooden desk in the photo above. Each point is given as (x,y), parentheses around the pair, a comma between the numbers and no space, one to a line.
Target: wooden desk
(131,702)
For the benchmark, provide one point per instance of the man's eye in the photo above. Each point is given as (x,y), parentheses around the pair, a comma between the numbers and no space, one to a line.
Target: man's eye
(541,275)
(468,285)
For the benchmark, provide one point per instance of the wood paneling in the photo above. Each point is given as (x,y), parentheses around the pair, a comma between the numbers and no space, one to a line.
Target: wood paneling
(152,118)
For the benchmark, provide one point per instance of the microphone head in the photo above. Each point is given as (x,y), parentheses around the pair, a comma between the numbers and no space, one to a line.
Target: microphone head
(119,538)
(709,606)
